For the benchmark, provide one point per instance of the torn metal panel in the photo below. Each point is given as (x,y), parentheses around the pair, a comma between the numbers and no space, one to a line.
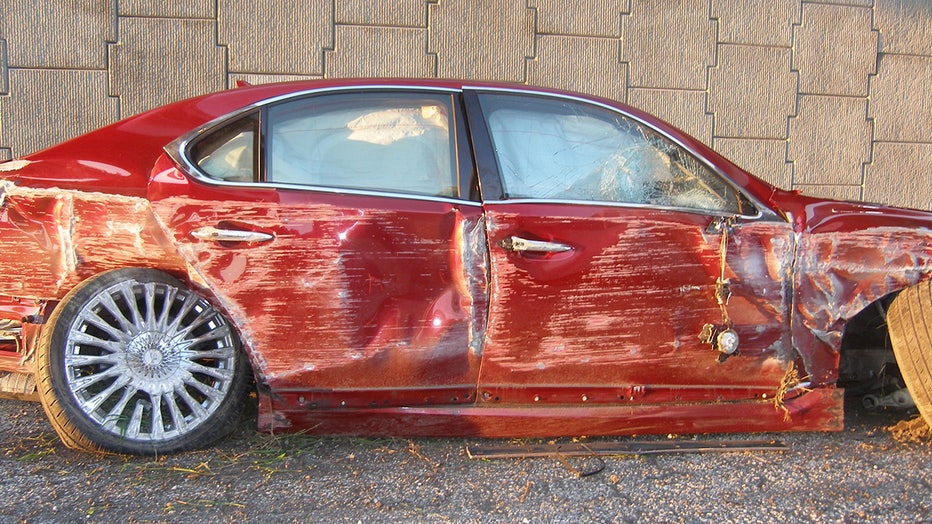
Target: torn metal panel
(819,410)
(759,267)
(471,245)
(838,274)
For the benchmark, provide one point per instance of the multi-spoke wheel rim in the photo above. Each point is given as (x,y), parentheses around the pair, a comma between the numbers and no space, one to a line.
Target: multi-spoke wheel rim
(149,361)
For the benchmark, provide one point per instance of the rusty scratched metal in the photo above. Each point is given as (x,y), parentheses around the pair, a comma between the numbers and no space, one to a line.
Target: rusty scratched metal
(61,237)
(840,273)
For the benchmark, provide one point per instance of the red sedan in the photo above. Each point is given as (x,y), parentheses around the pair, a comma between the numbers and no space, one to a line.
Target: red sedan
(440,258)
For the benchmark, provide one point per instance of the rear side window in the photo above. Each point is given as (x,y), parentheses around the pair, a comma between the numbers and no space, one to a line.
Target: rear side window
(229,153)
(558,149)
(395,142)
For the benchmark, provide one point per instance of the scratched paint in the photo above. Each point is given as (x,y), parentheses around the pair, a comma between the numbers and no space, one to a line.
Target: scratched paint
(626,304)
(57,238)
(348,336)
(53,239)
(363,302)
(351,293)
(323,332)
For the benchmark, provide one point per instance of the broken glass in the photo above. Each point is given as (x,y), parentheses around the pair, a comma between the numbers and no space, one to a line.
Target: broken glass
(566,150)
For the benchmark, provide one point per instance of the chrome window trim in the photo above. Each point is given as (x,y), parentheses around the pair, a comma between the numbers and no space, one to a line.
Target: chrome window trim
(601,203)
(344,191)
(545,94)
(176,149)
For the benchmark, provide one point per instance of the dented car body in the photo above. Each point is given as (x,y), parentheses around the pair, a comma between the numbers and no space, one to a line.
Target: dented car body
(427,258)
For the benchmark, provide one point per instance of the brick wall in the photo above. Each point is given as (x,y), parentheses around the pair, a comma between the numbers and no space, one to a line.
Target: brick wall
(833,97)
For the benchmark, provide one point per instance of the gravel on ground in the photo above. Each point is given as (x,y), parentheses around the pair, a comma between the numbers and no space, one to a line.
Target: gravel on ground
(859,475)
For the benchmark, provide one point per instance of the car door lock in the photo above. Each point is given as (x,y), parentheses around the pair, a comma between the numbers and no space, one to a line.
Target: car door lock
(722,338)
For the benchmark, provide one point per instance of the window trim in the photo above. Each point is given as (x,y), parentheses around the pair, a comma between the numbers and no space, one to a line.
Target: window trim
(763,211)
(309,106)
(178,149)
(256,125)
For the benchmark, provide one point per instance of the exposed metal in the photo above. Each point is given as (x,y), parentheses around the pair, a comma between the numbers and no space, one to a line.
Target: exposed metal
(213,234)
(521,244)
(896,399)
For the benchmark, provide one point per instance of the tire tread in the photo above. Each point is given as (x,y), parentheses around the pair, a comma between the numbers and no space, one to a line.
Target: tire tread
(909,321)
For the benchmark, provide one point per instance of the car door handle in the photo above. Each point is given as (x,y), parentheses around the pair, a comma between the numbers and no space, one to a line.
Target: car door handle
(213,234)
(518,244)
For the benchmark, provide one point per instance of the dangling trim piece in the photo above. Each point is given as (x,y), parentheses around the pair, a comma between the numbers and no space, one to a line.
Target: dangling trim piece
(722,337)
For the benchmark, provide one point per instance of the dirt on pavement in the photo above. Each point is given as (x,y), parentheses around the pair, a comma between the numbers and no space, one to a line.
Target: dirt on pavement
(859,475)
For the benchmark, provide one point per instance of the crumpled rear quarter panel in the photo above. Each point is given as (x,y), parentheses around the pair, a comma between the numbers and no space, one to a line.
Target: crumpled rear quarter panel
(52,239)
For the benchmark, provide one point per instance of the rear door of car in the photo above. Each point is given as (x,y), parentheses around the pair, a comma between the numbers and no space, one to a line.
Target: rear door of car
(337,230)
(606,242)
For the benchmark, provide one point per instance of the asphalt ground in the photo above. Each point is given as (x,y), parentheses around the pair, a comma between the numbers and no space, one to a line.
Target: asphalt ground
(859,475)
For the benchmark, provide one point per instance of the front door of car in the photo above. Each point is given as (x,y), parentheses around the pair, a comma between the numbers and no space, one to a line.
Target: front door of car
(606,247)
(332,231)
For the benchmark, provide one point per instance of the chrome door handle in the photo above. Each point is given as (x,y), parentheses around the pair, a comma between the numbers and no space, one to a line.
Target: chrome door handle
(212,234)
(517,244)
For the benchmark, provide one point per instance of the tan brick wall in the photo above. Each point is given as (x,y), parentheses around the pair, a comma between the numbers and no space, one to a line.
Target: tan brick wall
(830,97)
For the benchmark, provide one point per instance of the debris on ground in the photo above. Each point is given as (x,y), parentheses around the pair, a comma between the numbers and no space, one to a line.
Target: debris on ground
(911,431)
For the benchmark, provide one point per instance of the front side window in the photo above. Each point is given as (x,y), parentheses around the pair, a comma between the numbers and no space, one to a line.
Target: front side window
(550,148)
(397,142)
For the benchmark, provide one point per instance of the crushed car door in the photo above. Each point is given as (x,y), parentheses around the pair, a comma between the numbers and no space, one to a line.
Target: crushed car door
(609,246)
(331,230)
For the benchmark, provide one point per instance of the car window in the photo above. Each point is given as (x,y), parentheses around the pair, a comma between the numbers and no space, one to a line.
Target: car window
(550,148)
(228,154)
(397,142)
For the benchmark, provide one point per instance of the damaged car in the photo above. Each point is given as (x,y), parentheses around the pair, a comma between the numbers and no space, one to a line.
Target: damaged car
(439,258)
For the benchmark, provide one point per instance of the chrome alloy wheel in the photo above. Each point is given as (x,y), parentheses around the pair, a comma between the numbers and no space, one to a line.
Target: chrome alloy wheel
(148,361)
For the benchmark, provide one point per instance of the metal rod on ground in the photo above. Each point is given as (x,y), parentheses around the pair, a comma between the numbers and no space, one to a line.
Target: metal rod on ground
(578,449)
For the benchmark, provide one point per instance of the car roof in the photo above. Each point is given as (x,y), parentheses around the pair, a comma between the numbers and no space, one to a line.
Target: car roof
(132,145)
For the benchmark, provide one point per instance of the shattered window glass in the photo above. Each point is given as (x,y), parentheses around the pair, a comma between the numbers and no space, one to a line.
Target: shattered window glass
(229,153)
(398,142)
(550,148)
